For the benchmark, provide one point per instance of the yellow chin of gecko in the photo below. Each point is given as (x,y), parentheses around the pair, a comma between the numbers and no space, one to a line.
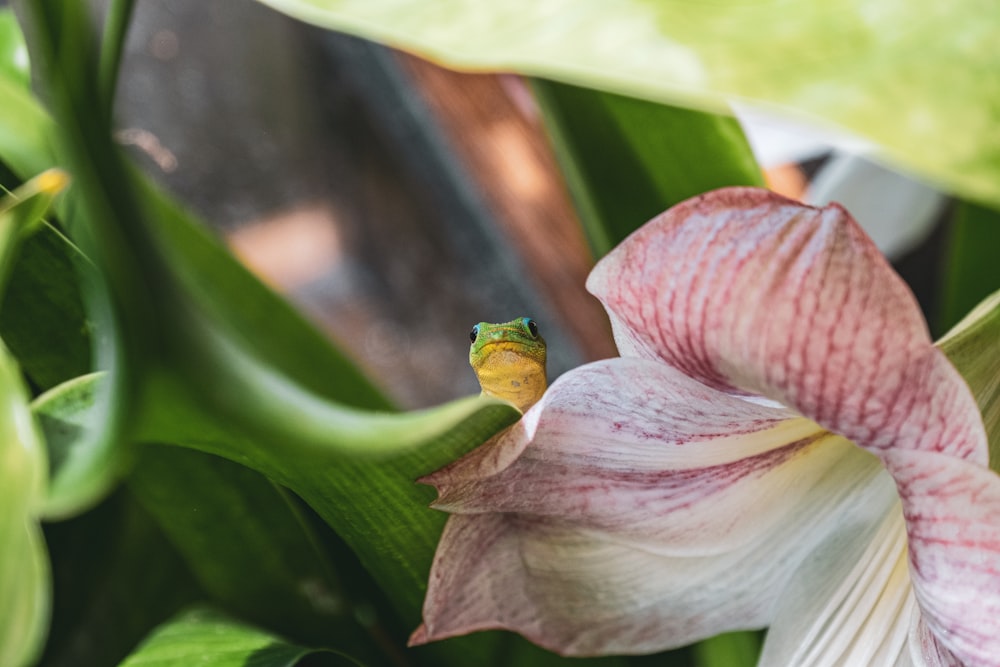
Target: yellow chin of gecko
(508,373)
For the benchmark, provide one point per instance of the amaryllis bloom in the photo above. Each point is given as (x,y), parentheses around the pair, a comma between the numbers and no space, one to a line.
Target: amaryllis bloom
(780,444)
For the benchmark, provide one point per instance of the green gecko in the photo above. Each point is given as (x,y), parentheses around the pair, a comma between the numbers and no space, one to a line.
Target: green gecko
(509,360)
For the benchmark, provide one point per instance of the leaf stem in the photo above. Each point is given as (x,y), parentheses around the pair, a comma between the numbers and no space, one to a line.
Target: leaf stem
(112,44)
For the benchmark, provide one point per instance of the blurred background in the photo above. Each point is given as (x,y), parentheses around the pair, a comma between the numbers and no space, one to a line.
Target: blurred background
(399,203)
(396,202)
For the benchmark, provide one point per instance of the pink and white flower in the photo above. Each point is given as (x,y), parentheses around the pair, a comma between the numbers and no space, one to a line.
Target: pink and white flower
(780,444)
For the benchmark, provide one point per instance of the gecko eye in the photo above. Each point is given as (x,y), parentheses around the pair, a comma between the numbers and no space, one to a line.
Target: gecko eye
(474,333)
(532,327)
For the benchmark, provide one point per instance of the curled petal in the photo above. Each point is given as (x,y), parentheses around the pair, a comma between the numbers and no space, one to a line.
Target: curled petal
(743,289)
(661,413)
(634,448)
(590,538)
(952,508)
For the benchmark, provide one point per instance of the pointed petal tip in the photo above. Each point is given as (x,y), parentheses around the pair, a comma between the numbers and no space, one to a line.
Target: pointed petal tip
(419,637)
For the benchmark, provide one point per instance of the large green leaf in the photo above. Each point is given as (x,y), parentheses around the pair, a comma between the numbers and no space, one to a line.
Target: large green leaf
(731,649)
(627,159)
(204,638)
(917,78)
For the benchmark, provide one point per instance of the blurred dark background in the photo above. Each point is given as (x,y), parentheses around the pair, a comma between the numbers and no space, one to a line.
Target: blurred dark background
(396,202)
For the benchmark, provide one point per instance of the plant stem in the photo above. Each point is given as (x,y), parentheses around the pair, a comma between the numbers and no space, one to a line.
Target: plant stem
(112,43)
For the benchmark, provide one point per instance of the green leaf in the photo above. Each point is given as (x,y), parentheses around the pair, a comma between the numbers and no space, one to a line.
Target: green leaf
(24,569)
(375,505)
(21,211)
(26,131)
(216,512)
(627,160)
(973,345)
(202,637)
(13,51)
(116,21)
(913,77)
(972,271)
(42,317)
(731,649)
(116,577)
(224,312)
(71,416)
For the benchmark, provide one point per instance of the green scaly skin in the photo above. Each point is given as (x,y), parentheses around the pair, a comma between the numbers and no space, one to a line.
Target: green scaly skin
(509,360)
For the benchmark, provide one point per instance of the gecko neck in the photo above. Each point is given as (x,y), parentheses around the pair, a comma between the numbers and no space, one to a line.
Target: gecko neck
(512,376)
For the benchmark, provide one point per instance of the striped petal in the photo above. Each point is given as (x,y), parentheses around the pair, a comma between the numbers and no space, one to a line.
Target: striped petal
(952,510)
(615,517)
(643,504)
(743,289)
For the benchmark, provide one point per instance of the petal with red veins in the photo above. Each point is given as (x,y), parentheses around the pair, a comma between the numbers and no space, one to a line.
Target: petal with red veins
(590,538)
(633,447)
(660,412)
(743,289)
(951,509)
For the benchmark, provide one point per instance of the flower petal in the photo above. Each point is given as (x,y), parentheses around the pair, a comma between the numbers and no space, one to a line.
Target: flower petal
(743,289)
(580,529)
(855,609)
(630,447)
(661,413)
(952,508)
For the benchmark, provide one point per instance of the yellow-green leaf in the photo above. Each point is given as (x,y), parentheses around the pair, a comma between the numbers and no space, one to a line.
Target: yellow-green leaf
(918,78)
(201,637)
(24,567)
